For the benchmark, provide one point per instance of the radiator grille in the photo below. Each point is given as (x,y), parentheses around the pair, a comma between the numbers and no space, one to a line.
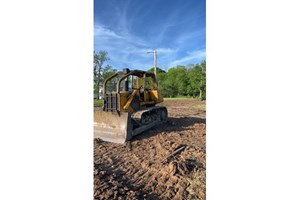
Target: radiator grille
(111,102)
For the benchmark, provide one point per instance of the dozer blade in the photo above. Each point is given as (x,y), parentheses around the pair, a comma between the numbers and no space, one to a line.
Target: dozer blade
(112,127)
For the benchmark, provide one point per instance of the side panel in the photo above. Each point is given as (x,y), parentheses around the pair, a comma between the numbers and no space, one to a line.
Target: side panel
(156,96)
(123,99)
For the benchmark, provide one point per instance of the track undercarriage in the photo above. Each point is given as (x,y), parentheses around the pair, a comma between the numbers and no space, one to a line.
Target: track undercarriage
(121,127)
(147,118)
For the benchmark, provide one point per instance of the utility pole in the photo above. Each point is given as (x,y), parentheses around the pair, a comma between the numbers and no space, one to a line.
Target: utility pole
(155,59)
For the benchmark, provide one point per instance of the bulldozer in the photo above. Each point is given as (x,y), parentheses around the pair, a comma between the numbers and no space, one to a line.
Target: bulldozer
(129,109)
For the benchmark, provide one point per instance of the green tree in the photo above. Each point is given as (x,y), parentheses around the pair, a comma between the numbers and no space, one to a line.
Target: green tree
(203,81)
(99,59)
(181,80)
(197,81)
(158,70)
(175,82)
(160,76)
(107,72)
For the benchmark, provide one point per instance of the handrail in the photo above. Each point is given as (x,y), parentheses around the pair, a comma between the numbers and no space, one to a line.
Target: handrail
(148,74)
(134,72)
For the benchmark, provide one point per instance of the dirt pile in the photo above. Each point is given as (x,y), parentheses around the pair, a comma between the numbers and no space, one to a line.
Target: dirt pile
(166,162)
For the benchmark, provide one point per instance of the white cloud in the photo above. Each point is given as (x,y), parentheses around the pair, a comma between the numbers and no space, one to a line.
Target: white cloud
(127,50)
(166,50)
(190,58)
(187,37)
(100,31)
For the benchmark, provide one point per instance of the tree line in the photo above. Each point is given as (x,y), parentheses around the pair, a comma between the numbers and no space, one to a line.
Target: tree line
(176,81)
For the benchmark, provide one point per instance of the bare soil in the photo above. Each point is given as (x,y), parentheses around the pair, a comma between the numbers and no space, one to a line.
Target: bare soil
(166,162)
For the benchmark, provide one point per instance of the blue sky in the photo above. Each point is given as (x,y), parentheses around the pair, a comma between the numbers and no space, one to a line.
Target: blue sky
(127,29)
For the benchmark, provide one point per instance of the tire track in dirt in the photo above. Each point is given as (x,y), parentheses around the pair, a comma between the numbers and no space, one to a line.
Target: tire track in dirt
(137,169)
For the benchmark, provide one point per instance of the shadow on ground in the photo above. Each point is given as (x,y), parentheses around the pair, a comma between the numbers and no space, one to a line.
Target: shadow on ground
(173,124)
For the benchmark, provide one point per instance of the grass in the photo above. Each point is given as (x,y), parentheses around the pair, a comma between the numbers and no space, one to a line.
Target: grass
(98,102)
(178,97)
(181,97)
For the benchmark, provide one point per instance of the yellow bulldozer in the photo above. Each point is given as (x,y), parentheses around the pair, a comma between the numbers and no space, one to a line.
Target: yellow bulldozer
(130,99)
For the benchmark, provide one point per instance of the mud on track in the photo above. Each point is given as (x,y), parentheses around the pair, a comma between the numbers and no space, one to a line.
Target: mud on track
(143,167)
